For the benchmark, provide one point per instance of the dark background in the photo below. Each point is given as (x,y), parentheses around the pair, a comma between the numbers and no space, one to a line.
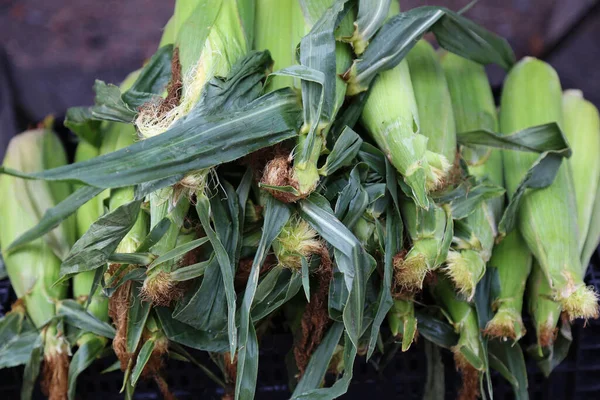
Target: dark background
(52,50)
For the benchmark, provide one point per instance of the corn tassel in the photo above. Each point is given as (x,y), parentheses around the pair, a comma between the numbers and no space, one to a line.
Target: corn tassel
(547,218)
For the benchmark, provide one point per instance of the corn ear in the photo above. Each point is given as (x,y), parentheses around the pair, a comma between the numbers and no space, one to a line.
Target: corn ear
(86,215)
(427,230)
(473,106)
(34,268)
(210,36)
(434,104)
(548,217)
(403,322)
(582,129)
(593,237)
(279,27)
(544,310)
(513,261)
(469,353)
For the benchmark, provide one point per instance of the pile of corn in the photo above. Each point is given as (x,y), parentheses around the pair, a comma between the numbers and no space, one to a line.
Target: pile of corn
(317,160)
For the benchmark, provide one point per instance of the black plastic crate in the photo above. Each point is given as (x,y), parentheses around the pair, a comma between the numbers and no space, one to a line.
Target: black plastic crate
(575,378)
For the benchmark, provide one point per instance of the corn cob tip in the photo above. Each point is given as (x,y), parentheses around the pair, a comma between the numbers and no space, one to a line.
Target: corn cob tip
(279,172)
(546,335)
(55,381)
(160,290)
(297,239)
(582,303)
(470,376)
(439,167)
(465,269)
(410,271)
(506,324)
(573,93)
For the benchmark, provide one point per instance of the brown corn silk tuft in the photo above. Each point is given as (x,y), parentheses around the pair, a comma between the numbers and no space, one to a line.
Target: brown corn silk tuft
(160,290)
(470,378)
(280,172)
(118,305)
(55,380)
(315,318)
(174,91)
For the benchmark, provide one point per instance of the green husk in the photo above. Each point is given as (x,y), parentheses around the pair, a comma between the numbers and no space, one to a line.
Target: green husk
(279,27)
(593,237)
(474,109)
(548,217)
(512,260)
(210,36)
(403,322)
(469,352)
(34,268)
(428,231)
(291,21)
(582,129)
(544,310)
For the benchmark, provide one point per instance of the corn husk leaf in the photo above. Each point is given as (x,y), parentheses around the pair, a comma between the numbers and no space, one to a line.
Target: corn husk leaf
(508,359)
(340,387)
(18,337)
(276,216)
(85,355)
(319,361)
(371,15)
(188,336)
(344,150)
(32,369)
(76,315)
(95,247)
(452,31)
(352,260)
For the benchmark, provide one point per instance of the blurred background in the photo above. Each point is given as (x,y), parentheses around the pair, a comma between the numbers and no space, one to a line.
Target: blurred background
(52,50)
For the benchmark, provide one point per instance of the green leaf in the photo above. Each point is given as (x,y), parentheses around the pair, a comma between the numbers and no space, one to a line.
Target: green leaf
(393,244)
(85,355)
(247,367)
(137,315)
(32,369)
(16,342)
(434,385)
(179,251)
(188,336)
(83,124)
(319,361)
(276,216)
(351,258)
(340,387)
(371,15)
(317,52)
(225,263)
(242,85)
(452,31)
(467,196)
(110,105)
(157,232)
(507,358)
(142,359)
(436,331)
(278,287)
(190,271)
(131,258)
(198,143)
(538,139)
(305,278)
(556,353)
(353,200)
(76,315)
(152,80)
(345,149)
(540,175)
(100,241)
(54,216)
